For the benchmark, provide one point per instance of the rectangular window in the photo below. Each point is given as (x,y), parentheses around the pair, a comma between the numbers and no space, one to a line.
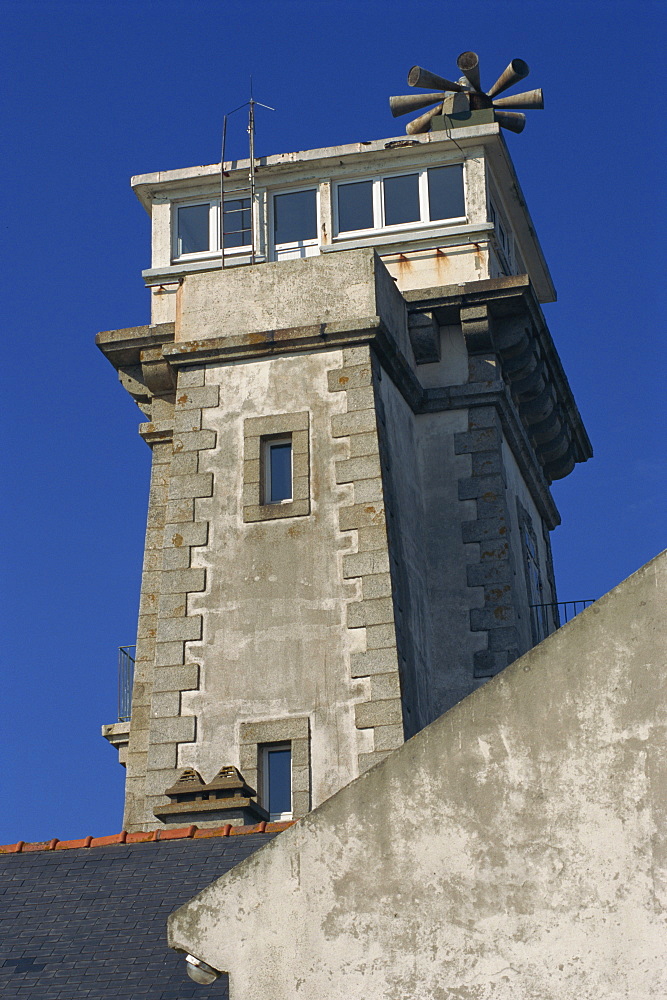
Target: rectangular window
(445,192)
(431,195)
(196,228)
(193,229)
(355,206)
(295,217)
(277,461)
(538,612)
(237,222)
(274,757)
(504,241)
(401,199)
(276,765)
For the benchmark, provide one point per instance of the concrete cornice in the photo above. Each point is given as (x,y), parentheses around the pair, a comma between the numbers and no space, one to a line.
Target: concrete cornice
(504,299)
(334,335)
(402,147)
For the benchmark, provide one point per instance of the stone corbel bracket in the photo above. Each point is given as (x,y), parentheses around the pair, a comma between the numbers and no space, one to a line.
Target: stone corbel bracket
(502,316)
(136,354)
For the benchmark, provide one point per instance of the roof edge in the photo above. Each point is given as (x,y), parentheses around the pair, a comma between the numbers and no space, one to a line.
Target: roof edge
(145,836)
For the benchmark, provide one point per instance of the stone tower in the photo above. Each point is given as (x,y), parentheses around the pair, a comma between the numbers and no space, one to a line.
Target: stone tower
(352,441)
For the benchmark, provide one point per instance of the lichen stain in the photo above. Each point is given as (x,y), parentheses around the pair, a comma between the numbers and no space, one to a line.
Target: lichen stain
(183,399)
(177,540)
(343,380)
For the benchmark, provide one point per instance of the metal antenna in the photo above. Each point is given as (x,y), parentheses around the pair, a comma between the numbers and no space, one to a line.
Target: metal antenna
(251,143)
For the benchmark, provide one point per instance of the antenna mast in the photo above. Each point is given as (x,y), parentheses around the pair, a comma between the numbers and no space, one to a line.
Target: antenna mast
(251,174)
(251,145)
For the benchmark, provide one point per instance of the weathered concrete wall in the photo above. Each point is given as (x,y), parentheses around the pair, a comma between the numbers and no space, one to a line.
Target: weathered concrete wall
(275,642)
(513,850)
(449,264)
(339,288)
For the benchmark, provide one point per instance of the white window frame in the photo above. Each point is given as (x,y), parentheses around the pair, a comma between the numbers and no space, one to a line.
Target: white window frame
(378,203)
(267,443)
(213,229)
(280,251)
(265,751)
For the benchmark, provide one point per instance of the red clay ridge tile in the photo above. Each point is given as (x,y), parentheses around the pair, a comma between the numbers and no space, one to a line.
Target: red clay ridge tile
(116,838)
(141,837)
(184,831)
(146,836)
(238,830)
(12,848)
(65,845)
(218,831)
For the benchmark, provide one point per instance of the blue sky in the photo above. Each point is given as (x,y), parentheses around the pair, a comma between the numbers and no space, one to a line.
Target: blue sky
(96,92)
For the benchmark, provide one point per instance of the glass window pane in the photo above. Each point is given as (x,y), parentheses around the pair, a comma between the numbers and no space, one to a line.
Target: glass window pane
(355,206)
(401,199)
(279,765)
(280,472)
(193,228)
(445,192)
(294,217)
(236,219)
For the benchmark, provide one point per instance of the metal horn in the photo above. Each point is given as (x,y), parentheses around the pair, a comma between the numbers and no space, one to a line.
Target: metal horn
(412,102)
(517,70)
(531,99)
(418,77)
(511,121)
(423,123)
(468,63)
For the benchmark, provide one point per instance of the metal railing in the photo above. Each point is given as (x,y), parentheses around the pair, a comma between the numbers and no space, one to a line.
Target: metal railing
(125,681)
(546,618)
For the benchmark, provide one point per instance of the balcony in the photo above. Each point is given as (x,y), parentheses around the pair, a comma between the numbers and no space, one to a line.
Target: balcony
(546,618)
(125,681)
(118,733)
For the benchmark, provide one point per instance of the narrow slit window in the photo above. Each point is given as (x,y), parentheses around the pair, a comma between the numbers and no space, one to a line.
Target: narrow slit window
(278,470)
(277,774)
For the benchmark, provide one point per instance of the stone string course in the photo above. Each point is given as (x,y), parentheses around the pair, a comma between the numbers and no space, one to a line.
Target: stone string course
(373,611)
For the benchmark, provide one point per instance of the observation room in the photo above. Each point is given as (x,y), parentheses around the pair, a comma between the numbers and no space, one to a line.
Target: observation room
(430,205)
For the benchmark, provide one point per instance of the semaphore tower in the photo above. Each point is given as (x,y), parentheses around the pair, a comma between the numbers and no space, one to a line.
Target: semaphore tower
(355,410)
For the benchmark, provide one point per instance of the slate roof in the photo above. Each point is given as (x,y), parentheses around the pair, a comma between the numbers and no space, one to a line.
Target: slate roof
(91,921)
